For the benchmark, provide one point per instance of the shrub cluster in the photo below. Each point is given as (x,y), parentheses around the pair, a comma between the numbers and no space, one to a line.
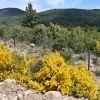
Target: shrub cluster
(53,74)
(15,67)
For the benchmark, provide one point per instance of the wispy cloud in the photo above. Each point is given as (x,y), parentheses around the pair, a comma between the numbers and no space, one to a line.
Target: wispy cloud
(75,2)
(67,2)
(55,2)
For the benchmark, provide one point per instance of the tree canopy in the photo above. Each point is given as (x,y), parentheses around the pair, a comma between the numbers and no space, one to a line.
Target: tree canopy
(30,18)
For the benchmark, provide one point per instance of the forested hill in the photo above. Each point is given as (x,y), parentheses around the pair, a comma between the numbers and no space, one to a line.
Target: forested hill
(10,12)
(72,17)
(65,17)
(10,15)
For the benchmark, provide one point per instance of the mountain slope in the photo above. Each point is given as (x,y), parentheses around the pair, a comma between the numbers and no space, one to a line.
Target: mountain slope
(65,17)
(10,15)
(71,17)
(10,12)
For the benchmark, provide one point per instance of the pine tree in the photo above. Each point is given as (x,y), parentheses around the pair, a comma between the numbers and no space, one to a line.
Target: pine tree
(30,18)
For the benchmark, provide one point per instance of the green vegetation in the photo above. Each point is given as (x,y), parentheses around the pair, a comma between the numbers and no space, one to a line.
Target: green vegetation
(10,12)
(65,17)
(68,31)
(97,72)
(30,18)
(76,39)
(71,17)
(10,15)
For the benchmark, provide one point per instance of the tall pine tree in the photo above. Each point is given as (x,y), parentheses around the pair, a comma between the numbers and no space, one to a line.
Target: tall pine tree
(30,18)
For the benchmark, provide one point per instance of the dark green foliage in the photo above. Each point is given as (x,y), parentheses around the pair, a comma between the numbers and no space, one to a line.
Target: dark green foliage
(39,35)
(57,37)
(65,17)
(30,19)
(97,72)
(67,53)
(10,15)
(10,12)
(71,17)
(35,67)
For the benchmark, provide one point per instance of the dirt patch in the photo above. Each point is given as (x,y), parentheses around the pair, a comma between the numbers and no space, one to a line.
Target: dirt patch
(97,79)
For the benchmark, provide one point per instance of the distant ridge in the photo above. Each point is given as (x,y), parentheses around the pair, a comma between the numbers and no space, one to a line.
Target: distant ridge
(73,17)
(65,17)
(9,12)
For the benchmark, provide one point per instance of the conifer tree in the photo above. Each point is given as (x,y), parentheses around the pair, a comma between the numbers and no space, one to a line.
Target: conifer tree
(30,18)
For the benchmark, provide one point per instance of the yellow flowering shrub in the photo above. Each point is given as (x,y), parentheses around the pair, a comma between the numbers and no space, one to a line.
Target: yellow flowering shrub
(55,74)
(83,83)
(5,58)
(22,73)
(97,45)
(14,67)
(98,96)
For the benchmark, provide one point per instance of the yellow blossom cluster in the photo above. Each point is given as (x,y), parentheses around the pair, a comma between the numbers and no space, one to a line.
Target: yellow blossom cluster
(97,45)
(5,58)
(54,74)
(57,75)
(15,67)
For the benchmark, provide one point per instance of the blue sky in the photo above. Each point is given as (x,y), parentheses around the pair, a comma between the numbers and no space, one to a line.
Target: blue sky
(42,5)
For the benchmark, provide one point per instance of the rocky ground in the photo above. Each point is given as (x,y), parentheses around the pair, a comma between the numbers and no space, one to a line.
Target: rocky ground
(9,90)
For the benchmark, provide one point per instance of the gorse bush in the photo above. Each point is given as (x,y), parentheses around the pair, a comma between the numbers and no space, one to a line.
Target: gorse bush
(83,83)
(53,74)
(6,56)
(22,73)
(14,67)
(7,61)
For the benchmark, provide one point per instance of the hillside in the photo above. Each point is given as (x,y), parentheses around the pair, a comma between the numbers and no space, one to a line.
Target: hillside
(71,17)
(10,15)
(65,17)
(10,12)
